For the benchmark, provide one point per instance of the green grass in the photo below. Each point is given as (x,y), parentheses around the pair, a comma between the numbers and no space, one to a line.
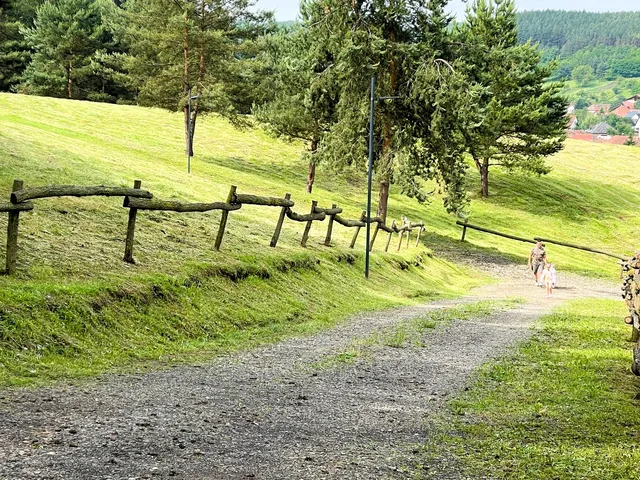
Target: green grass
(70,258)
(572,90)
(560,407)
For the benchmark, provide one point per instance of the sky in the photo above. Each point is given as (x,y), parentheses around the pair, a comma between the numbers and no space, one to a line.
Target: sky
(288,9)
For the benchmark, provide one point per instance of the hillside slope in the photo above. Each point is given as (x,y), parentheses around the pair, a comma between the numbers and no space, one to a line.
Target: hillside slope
(73,291)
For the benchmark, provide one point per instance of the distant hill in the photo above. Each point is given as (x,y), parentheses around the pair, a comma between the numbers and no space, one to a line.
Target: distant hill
(607,44)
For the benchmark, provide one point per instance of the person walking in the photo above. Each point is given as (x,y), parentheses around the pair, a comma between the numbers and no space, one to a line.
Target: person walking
(537,259)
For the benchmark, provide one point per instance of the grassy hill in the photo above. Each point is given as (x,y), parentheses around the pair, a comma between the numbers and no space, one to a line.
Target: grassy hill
(76,308)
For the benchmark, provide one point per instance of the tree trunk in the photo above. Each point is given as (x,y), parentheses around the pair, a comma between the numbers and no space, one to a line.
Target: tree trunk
(185,89)
(484,178)
(383,197)
(69,81)
(311,176)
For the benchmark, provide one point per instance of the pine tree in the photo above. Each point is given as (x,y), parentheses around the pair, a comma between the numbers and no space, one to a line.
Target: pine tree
(393,41)
(523,116)
(66,36)
(303,106)
(197,47)
(14,49)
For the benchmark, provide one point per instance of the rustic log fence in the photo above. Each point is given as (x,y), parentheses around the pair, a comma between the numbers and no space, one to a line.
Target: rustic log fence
(466,225)
(631,296)
(136,199)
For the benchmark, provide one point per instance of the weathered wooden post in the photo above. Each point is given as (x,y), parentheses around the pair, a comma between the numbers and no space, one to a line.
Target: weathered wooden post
(327,240)
(12,233)
(131,228)
(307,227)
(401,235)
(225,215)
(355,234)
(464,229)
(419,232)
(283,212)
(393,225)
(373,237)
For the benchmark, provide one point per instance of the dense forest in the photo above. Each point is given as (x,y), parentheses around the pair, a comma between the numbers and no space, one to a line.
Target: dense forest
(599,45)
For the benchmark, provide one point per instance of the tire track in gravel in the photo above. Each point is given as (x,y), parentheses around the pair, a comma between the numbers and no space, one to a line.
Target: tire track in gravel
(265,413)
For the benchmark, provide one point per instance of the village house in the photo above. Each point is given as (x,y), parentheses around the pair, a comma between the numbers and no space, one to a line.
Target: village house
(597,109)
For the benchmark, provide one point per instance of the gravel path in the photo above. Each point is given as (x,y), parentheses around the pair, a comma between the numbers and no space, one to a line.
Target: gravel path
(271,413)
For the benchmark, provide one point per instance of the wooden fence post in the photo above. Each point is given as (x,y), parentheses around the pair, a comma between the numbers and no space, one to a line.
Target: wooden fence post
(12,234)
(131,228)
(373,237)
(327,240)
(401,235)
(355,235)
(464,230)
(225,215)
(283,212)
(305,234)
(393,224)
(419,232)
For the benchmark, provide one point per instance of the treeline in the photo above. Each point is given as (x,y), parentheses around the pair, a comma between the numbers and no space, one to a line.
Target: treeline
(607,43)
(451,90)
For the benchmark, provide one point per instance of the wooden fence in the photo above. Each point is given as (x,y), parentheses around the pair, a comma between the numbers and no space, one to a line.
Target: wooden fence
(466,225)
(136,199)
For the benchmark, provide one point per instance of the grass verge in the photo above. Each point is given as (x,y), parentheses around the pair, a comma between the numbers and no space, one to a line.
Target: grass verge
(561,407)
(52,331)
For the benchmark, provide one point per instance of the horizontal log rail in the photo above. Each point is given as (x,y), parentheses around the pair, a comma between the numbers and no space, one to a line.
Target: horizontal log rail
(137,199)
(264,201)
(327,211)
(76,191)
(349,223)
(16,207)
(493,232)
(176,206)
(580,247)
(309,217)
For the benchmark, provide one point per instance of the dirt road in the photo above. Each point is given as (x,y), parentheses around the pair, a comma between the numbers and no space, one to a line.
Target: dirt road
(278,412)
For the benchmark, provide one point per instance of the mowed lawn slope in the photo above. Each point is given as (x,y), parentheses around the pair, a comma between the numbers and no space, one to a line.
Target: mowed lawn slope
(76,307)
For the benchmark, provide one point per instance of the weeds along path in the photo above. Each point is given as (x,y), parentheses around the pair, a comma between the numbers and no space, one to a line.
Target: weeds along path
(347,403)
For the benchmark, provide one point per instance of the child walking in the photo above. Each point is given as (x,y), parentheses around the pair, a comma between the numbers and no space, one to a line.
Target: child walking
(548,278)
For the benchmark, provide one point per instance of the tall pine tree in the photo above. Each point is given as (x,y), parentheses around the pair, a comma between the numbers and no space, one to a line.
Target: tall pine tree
(198,46)
(65,37)
(523,116)
(304,104)
(405,44)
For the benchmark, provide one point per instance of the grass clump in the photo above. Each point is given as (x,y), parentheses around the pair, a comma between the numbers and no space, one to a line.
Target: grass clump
(410,332)
(560,407)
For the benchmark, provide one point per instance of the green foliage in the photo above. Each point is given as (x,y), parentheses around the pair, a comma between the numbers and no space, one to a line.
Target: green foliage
(522,117)
(401,44)
(582,75)
(72,52)
(203,47)
(14,50)
(561,407)
(305,92)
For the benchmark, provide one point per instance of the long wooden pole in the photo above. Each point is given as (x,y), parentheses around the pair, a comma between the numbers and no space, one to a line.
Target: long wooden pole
(355,234)
(307,228)
(327,239)
(391,230)
(12,234)
(283,213)
(131,228)
(494,232)
(225,216)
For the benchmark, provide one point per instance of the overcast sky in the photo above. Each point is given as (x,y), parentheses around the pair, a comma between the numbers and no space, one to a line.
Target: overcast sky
(288,9)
